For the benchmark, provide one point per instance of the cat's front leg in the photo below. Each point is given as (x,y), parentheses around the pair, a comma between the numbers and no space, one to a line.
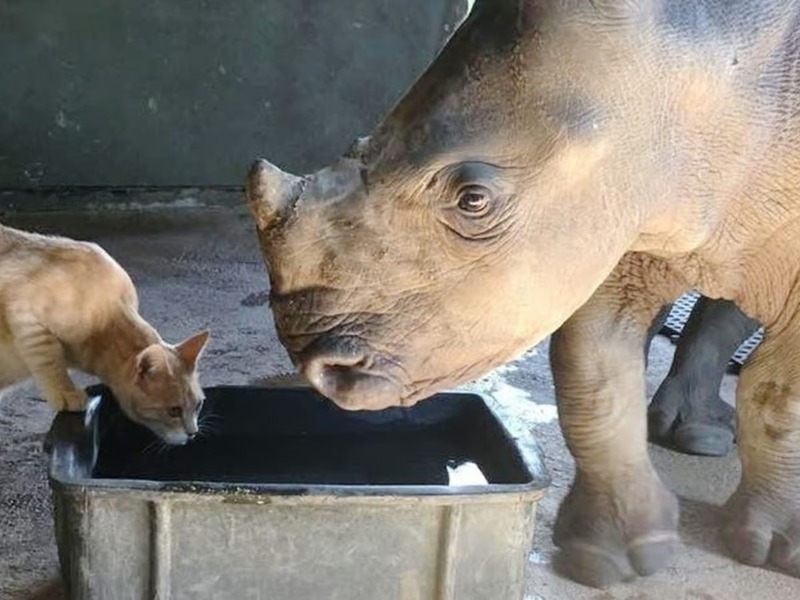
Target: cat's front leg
(43,355)
(74,400)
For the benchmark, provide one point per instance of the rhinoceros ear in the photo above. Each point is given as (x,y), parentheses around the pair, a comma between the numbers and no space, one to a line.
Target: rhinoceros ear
(270,192)
(358,148)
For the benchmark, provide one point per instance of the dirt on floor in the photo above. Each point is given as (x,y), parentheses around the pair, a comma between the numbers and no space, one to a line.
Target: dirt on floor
(198,268)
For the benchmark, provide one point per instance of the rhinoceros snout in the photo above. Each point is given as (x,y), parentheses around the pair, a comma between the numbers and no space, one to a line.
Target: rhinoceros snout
(270,192)
(344,370)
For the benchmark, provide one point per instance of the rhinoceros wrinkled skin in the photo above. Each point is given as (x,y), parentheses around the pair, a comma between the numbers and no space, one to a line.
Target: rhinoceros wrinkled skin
(568,167)
(687,412)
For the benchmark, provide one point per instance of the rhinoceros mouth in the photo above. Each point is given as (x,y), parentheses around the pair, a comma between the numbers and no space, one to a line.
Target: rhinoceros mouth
(348,372)
(352,389)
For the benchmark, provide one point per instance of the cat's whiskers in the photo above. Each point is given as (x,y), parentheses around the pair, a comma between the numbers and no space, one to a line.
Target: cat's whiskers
(162,448)
(206,415)
(156,448)
(211,417)
(209,424)
(151,447)
(208,429)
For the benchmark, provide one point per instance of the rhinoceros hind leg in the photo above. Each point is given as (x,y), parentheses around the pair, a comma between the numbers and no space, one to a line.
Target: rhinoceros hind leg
(618,520)
(686,412)
(685,421)
(713,437)
(763,514)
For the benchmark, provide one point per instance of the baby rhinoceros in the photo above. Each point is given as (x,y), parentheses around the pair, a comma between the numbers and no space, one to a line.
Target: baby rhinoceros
(568,167)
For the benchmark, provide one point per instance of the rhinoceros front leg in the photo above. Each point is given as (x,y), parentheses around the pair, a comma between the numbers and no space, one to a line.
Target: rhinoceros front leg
(686,409)
(763,515)
(618,519)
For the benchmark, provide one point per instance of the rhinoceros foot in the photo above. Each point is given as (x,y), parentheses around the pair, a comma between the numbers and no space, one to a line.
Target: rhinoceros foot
(691,419)
(607,537)
(763,527)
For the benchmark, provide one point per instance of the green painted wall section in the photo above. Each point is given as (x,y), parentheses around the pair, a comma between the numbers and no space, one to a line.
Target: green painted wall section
(188,92)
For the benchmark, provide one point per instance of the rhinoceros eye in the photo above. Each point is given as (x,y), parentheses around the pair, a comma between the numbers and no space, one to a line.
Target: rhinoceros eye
(474,199)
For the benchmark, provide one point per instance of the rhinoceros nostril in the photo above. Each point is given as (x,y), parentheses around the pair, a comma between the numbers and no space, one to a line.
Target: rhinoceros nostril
(329,371)
(338,379)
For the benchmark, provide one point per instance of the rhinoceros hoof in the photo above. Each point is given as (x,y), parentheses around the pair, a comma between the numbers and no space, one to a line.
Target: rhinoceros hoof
(689,421)
(601,545)
(757,534)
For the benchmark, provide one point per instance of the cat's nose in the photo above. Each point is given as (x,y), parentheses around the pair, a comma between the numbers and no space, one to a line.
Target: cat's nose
(190,426)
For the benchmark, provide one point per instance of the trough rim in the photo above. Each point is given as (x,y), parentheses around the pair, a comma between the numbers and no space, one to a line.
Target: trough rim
(62,452)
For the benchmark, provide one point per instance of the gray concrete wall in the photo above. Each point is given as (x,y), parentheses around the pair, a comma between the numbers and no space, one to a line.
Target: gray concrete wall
(188,92)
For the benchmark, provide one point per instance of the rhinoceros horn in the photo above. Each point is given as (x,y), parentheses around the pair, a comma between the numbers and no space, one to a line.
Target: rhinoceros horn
(270,192)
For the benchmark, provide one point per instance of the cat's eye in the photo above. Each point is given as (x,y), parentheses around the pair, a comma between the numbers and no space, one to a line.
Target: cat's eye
(175,411)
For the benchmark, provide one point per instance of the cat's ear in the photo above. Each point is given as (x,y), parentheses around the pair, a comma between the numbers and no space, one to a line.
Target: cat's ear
(189,350)
(151,360)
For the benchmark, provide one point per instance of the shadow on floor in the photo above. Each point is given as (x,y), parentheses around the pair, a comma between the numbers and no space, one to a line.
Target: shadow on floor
(700,524)
(50,590)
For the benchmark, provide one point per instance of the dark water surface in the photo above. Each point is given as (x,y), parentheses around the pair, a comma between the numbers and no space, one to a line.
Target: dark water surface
(299,438)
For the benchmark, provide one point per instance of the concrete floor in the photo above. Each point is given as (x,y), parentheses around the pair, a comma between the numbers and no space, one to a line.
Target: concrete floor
(200,268)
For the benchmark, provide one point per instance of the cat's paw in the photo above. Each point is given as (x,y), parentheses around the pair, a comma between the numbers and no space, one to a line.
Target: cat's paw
(72,401)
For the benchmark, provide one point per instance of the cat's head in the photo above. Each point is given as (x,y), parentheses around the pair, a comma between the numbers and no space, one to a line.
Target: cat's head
(165,394)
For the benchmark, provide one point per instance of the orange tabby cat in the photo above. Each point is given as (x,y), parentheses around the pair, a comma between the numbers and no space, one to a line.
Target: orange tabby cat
(65,303)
